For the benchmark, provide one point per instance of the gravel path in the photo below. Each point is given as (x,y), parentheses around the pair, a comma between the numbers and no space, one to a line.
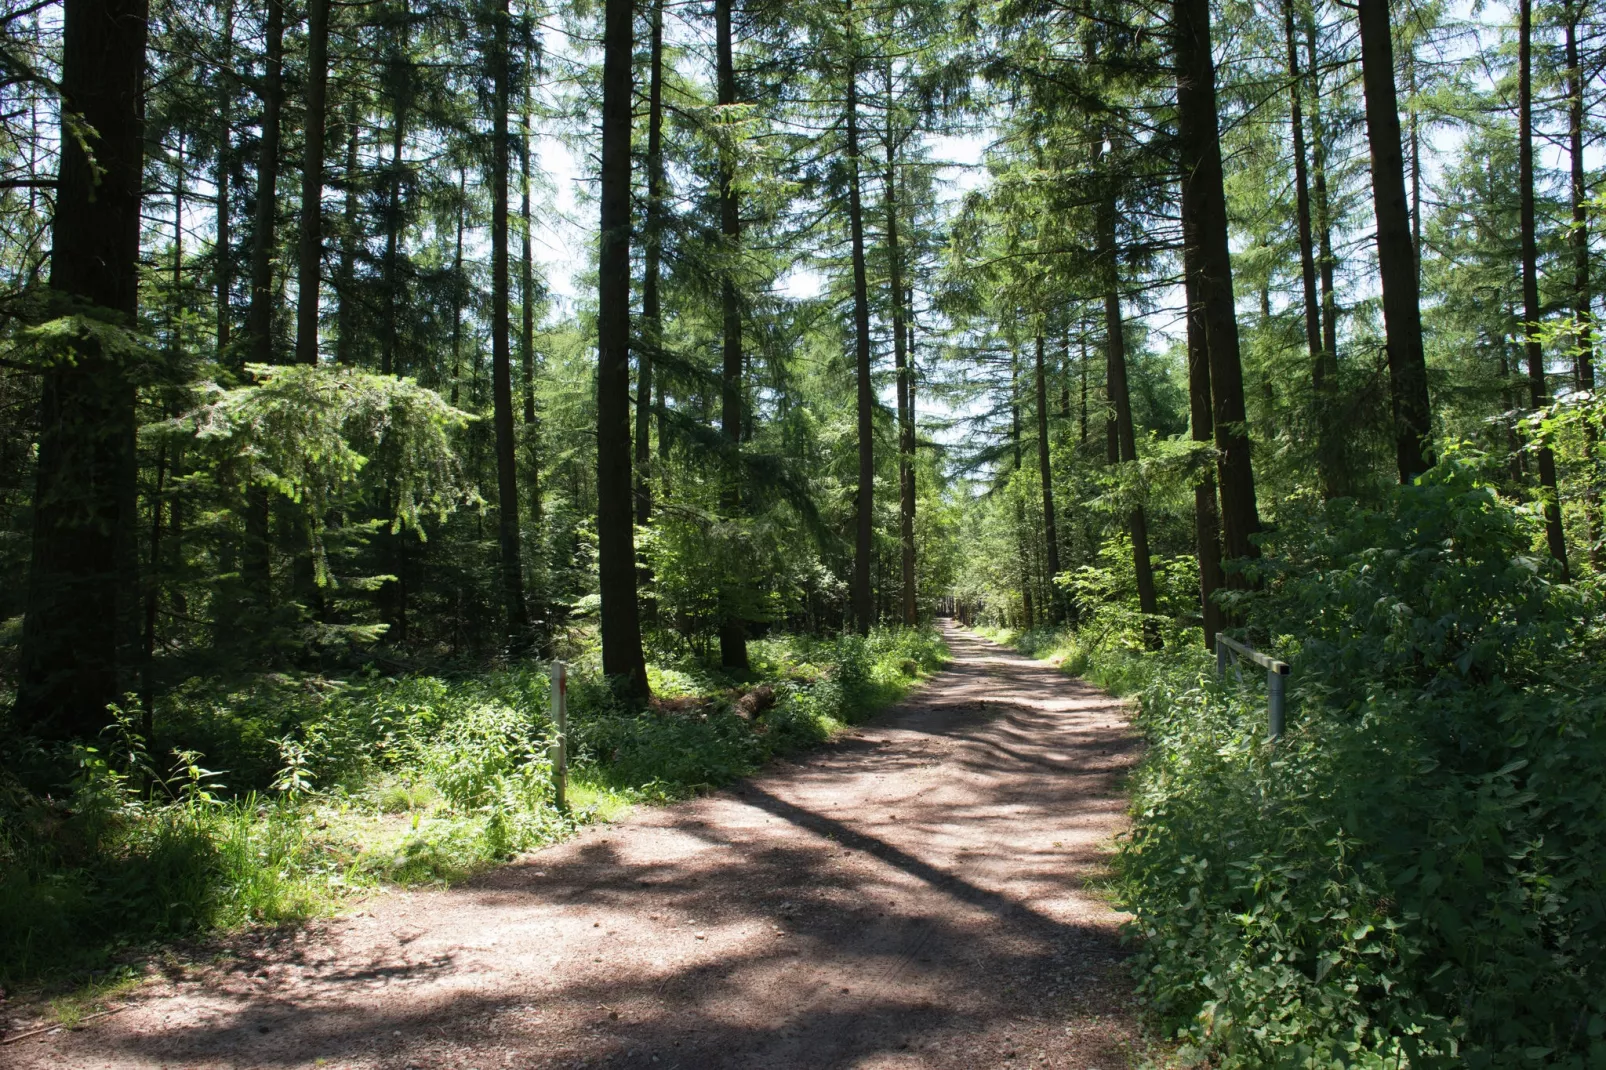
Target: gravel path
(917,895)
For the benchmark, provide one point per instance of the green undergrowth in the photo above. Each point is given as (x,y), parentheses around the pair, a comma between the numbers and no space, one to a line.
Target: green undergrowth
(1415,875)
(274,802)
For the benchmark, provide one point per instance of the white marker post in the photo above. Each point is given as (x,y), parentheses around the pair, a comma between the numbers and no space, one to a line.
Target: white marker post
(560,745)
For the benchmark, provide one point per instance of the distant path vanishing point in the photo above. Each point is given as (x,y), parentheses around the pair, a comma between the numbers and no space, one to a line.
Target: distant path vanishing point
(917,894)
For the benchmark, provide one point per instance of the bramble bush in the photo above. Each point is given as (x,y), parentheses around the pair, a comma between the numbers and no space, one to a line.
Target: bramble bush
(1415,874)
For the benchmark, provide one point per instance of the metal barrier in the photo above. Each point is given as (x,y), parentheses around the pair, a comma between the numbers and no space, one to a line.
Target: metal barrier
(1276,677)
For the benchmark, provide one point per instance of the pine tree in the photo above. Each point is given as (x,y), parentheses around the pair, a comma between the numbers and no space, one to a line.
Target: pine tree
(622,657)
(79,624)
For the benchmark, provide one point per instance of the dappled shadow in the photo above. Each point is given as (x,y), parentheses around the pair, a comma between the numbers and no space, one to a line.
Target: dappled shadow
(913,895)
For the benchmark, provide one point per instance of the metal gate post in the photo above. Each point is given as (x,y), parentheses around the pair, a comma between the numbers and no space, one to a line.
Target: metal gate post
(1276,697)
(1276,678)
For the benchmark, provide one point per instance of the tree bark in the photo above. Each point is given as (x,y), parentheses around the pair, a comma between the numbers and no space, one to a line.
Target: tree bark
(223,242)
(1320,387)
(1584,367)
(400,77)
(158,496)
(310,247)
(622,657)
(1396,257)
(1045,472)
(532,423)
(257,563)
(732,632)
(1116,388)
(80,623)
(900,359)
(393,596)
(908,443)
(1206,518)
(345,315)
(1415,139)
(1028,614)
(459,285)
(652,235)
(1138,521)
(1539,393)
(1323,220)
(1065,376)
(864,500)
(1082,436)
(1204,227)
(259,317)
(507,465)
(527,290)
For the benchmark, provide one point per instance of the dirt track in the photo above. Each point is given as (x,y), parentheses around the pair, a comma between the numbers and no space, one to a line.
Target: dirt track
(914,896)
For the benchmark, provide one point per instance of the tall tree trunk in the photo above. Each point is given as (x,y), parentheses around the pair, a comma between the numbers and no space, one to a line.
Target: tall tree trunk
(79,633)
(1511,394)
(1029,617)
(900,359)
(345,314)
(1396,256)
(1118,394)
(908,443)
(1204,227)
(1206,518)
(1065,376)
(257,563)
(175,308)
(388,364)
(1082,436)
(864,500)
(1121,405)
(1138,522)
(1323,220)
(393,596)
(651,314)
(622,656)
(259,317)
(1050,530)
(529,294)
(1320,387)
(310,253)
(157,500)
(1539,394)
(1416,163)
(652,235)
(153,596)
(527,290)
(222,248)
(507,462)
(309,247)
(1584,368)
(732,633)
(459,285)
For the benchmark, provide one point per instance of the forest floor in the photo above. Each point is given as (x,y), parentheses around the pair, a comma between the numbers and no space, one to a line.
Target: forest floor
(924,892)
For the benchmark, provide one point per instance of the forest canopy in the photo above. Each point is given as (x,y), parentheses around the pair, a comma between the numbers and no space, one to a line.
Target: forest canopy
(358,360)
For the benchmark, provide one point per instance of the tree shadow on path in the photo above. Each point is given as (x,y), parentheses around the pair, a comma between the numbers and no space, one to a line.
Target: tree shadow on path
(915,896)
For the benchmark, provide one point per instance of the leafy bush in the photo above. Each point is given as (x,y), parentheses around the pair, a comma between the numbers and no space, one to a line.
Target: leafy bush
(1416,873)
(322,786)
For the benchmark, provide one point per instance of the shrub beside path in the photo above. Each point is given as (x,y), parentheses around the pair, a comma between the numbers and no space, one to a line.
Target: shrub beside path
(921,893)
